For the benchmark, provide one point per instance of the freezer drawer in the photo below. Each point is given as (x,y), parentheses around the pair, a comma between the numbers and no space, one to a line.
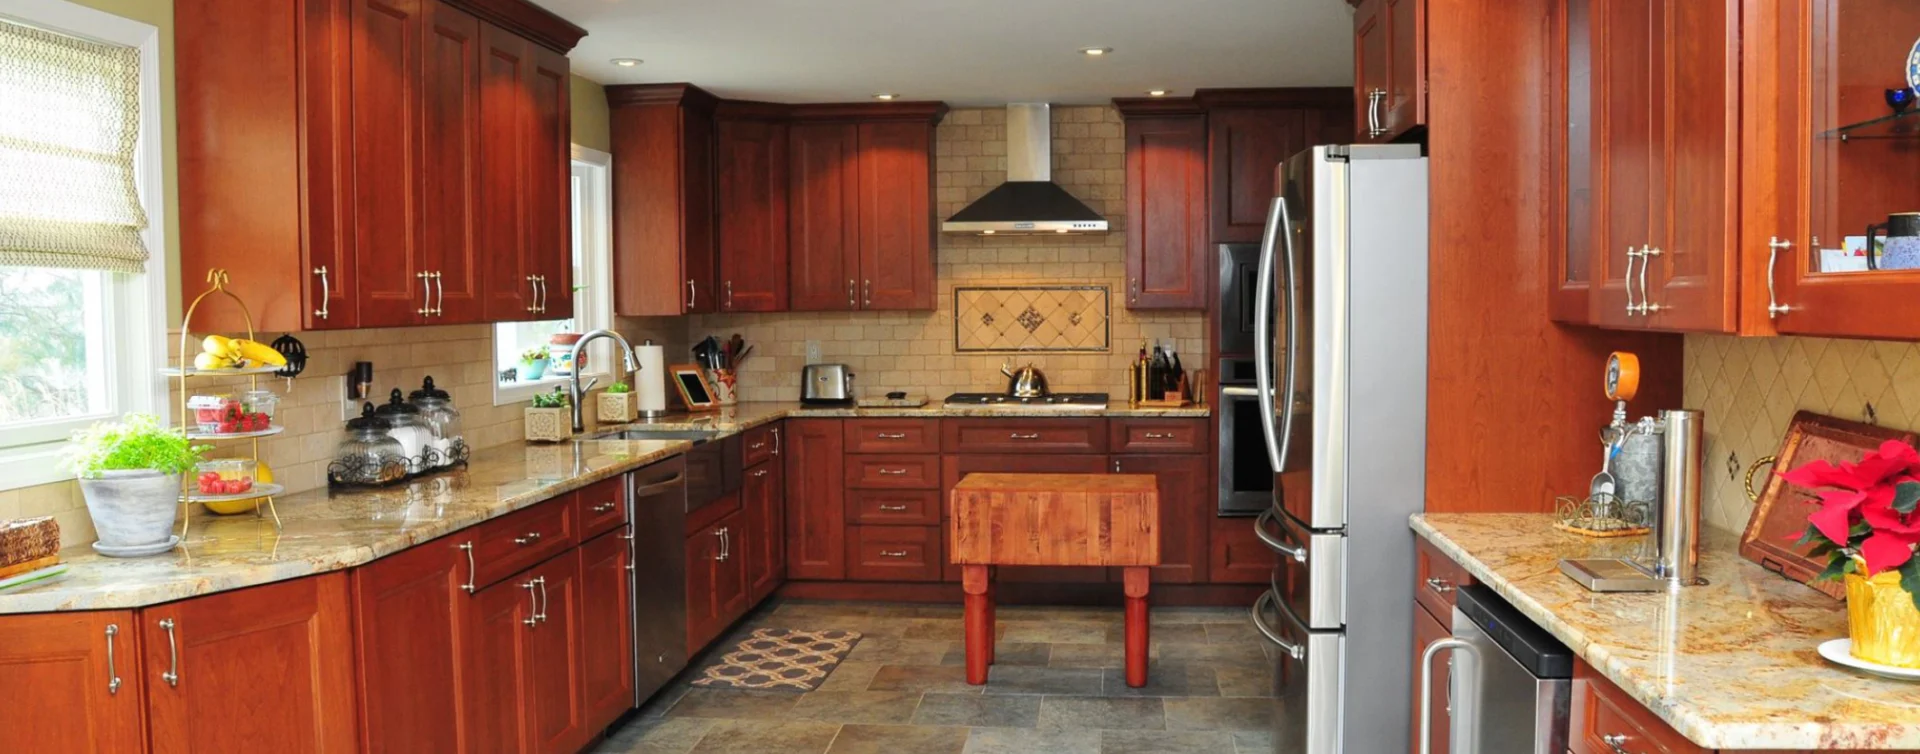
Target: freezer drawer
(1307,670)
(1311,571)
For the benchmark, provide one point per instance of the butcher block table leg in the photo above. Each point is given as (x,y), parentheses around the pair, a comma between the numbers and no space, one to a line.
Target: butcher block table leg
(1135,581)
(979,622)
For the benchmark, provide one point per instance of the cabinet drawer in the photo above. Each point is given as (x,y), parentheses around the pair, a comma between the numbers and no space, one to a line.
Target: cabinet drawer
(1602,711)
(892,435)
(893,472)
(893,553)
(759,444)
(1436,577)
(908,507)
(512,543)
(601,508)
(1158,435)
(1025,436)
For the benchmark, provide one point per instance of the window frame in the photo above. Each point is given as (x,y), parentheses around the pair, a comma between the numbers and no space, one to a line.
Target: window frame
(137,304)
(593,306)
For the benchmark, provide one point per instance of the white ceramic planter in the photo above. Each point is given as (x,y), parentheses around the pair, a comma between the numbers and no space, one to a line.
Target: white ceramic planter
(132,510)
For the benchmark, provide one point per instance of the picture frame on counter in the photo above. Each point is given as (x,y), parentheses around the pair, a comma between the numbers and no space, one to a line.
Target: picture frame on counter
(695,390)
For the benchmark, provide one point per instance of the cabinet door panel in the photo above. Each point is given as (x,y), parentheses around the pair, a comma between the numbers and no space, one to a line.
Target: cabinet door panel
(550,181)
(499,666)
(822,222)
(284,650)
(730,569)
(1166,212)
(1237,556)
(410,617)
(1696,288)
(764,540)
(816,502)
(501,230)
(606,635)
(896,217)
(386,127)
(703,615)
(698,252)
(1244,145)
(752,188)
(1405,105)
(1576,147)
(1427,630)
(449,161)
(1628,159)
(1185,507)
(1370,42)
(558,712)
(63,702)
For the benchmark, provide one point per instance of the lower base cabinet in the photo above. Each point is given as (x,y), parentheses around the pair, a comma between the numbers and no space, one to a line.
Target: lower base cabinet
(716,579)
(75,682)
(263,669)
(523,654)
(606,627)
(410,619)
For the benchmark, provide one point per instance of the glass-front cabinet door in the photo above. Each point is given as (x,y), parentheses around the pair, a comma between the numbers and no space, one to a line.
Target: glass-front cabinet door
(1831,185)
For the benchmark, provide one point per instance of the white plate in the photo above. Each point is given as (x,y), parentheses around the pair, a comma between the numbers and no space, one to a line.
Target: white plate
(1840,652)
(259,490)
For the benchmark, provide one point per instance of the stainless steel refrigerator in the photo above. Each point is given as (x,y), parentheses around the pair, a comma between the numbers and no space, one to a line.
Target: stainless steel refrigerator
(1341,375)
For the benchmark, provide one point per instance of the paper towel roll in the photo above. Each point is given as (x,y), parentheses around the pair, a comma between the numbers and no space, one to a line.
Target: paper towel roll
(650,384)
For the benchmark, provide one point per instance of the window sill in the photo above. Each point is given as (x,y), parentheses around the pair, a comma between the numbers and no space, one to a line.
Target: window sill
(509,393)
(33,465)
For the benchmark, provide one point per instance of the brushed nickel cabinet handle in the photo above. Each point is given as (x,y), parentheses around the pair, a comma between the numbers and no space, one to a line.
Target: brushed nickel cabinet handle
(326,293)
(530,538)
(533,598)
(606,506)
(729,286)
(1627,278)
(545,601)
(757,473)
(893,553)
(1159,435)
(893,508)
(1019,436)
(1616,741)
(852,303)
(541,282)
(533,295)
(113,674)
(439,294)
(691,294)
(172,676)
(467,547)
(890,436)
(893,472)
(1775,245)
(1439,585)
(426,294)
(757,445)
(869,296)
(1647,253)
(776,441)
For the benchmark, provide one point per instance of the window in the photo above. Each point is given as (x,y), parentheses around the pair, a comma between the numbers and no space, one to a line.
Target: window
(515,380)
(82,296)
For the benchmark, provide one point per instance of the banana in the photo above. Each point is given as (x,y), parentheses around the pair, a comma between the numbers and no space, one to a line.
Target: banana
(258,353)
(217,345)
(210,361)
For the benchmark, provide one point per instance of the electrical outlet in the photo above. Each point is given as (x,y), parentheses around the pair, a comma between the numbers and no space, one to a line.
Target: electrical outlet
(813,352)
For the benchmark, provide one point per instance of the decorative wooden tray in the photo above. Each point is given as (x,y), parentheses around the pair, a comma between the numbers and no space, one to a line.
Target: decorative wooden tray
(1780,509)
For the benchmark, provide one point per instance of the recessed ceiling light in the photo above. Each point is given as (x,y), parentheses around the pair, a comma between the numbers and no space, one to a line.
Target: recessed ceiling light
(885,96)
(627,62)
(1156,92)
(1095,51)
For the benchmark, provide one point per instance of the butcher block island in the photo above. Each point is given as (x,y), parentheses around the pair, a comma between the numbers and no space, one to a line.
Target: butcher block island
(1729,665)
(495,603)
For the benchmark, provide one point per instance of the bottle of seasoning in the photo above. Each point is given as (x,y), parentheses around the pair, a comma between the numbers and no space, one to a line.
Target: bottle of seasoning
(1157,374)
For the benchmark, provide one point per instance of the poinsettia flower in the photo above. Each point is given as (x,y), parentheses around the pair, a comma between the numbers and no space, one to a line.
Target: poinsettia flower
(1886,551)
(1869,509)
(1819,474)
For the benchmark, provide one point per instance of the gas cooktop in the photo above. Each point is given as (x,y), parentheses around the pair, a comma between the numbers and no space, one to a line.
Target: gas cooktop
(1065,401)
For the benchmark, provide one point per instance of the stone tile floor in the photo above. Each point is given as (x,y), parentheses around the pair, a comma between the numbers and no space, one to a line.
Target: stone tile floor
(1056,689)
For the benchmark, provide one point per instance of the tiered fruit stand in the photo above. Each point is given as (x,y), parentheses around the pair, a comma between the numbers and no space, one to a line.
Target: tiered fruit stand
(185,371)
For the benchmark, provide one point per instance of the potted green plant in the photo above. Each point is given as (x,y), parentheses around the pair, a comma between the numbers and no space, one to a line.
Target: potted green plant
(548,419)
(533,363)
(617,405)
(130,474)
(1867,526)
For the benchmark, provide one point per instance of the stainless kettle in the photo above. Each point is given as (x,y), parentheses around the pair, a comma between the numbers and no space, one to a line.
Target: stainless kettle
(1026,382)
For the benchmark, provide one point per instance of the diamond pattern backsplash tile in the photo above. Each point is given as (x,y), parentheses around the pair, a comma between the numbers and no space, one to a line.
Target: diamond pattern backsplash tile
(1065,319)
(1751,387)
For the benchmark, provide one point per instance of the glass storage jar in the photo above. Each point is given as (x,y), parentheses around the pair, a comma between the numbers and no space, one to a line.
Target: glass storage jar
(368,454)
(436,409)
(406,426)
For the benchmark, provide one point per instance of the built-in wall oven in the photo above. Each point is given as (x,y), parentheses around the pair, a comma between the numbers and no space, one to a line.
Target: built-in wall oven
(1246,477)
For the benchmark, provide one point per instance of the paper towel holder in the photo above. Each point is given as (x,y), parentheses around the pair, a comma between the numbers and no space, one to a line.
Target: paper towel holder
(644,412)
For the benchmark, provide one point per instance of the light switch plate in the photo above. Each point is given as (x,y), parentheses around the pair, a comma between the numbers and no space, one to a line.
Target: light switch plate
(813,352)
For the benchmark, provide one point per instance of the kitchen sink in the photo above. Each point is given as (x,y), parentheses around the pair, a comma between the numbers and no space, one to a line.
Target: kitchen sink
(696,435)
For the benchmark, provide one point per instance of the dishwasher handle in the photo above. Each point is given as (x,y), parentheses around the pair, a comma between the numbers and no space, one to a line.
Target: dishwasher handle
(1426,685)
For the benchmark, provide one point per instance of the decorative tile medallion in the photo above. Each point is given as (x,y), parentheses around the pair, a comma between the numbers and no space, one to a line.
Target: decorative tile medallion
(779,659)
(1059,318)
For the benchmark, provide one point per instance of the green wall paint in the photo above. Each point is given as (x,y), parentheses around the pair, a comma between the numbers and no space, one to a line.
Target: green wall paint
(590,124)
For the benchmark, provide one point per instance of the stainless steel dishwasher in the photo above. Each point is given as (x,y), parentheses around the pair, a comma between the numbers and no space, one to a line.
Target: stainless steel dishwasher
(657,577)
(1510,684)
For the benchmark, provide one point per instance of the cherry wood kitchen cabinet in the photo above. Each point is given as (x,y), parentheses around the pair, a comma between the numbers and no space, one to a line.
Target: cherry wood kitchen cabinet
(1602,711)
(410,624)
(861,221)
(716,579)
(896,216)
(823,216)
(1166,258)
(549,181)
(664,256)
(816,502)
(524,230)
(1249,132)
(77,682)
(450,61)
(606,628)
(751,183)
(1390,68)
(283,652)
(1186,505)
(764,530)
(526,655)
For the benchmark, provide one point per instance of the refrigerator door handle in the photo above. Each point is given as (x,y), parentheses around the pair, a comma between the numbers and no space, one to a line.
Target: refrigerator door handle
(1276,544)
(1259,608)
(1426,685)
(1263,331)
(1292,281)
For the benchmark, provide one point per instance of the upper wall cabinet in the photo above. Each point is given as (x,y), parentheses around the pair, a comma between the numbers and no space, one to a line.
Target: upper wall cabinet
(1249,132)
(1390,68)
(1166,205)
(664,257)
(860,223)
(1648,171)
(751,183)
(335,158)
(1827,244)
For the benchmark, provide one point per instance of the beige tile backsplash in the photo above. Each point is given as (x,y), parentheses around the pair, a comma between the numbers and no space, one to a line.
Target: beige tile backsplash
(1751,387)
(914,351)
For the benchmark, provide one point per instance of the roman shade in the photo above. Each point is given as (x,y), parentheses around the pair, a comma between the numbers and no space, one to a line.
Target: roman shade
(69,124)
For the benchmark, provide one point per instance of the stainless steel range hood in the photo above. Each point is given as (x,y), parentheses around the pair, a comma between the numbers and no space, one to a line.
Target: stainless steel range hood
(1028,202)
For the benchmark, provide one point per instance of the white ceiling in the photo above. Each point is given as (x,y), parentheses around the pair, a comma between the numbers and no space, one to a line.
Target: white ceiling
(966,52)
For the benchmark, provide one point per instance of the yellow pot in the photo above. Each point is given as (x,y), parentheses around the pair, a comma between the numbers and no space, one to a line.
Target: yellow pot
(1882,621)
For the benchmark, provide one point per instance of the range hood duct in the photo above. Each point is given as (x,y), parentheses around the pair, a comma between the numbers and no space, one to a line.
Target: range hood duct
(1028,202)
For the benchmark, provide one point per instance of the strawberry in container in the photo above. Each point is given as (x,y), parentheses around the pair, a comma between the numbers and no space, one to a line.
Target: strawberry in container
(211,411)
(225,476)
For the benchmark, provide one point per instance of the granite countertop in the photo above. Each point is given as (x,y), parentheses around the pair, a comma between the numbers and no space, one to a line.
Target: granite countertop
(1730,665)
(328,531)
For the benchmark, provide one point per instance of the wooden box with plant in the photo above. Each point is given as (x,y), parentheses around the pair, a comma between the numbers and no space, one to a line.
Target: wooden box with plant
(130,474)
(1867,528)
(617,405)
(549,418)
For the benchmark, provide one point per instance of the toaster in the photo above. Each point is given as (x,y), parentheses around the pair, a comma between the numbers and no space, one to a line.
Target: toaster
(826,385)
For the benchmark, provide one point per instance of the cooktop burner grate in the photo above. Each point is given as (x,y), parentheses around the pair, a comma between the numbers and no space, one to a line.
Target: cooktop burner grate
(1002,400)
